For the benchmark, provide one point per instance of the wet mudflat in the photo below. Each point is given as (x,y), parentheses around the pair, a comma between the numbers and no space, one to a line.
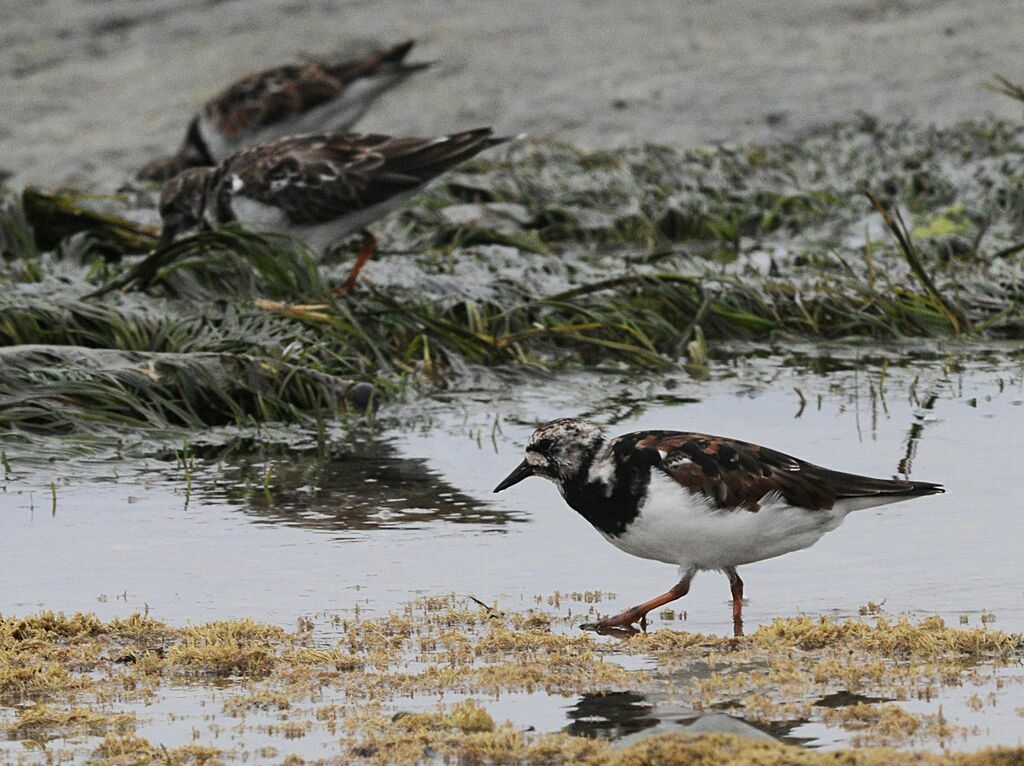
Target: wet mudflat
(362,522)
(274,572)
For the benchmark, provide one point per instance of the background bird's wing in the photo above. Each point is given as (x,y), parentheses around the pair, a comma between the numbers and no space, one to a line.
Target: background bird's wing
(318,178)
(281,92)
(733,474)
(266,97)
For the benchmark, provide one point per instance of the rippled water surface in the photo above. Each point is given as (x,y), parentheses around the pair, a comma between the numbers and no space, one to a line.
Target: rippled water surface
(370,518)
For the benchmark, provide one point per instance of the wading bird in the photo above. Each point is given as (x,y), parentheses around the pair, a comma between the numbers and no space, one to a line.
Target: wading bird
(698,501)
(306,97)
(321,188)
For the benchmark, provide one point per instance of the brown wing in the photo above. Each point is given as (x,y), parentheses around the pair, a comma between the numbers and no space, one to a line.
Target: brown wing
(278,93)
(740,475)
(266,97)
(318,178)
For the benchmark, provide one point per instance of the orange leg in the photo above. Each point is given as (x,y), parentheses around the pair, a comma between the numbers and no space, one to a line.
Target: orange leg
(367,248)
(625,620)
(736,586)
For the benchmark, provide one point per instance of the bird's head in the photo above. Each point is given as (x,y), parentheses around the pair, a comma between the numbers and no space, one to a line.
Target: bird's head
(559,450)
(183,202)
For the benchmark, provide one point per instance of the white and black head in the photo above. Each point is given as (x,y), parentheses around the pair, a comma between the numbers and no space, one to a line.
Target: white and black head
(183,203)
(560,451)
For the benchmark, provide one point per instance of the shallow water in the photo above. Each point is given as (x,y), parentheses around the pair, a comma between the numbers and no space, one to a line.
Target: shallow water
(369,524)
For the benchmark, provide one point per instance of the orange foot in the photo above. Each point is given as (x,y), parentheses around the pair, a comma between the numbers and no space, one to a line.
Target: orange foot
(621,623)
(368,248)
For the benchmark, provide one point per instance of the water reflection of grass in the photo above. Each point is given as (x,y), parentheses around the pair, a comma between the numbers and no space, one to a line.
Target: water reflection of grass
(339,489)
(79,676)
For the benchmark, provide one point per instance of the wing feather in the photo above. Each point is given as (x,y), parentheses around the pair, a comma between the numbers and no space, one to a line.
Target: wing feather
(734,474)
(278,93)
(317,178)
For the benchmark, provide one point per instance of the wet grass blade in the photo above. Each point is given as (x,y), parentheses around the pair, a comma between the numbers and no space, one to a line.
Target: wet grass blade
(954,313)
(54,217)
(1004,87)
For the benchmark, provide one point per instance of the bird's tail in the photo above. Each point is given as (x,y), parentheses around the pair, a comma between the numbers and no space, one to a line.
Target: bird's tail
(858,492)
(395,57)
(426,158)
(388,64)
(919,488)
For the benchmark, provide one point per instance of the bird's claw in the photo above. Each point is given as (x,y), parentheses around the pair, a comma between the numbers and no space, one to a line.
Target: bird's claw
(609,630)
(620,624)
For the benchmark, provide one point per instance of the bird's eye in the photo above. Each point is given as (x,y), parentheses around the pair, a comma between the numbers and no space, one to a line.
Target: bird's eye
(541,447)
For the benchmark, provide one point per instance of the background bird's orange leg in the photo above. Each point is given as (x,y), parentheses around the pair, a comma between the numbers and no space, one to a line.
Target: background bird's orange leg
(736,586)
(367,248)
(625,620)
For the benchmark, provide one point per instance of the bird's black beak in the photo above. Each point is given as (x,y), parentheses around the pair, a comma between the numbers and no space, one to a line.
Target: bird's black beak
(522,471)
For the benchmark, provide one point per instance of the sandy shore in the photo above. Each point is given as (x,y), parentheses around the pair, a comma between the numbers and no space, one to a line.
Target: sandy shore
(92,89)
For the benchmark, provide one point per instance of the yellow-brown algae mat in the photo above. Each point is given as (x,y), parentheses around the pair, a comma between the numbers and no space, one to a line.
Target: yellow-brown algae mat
(75,687)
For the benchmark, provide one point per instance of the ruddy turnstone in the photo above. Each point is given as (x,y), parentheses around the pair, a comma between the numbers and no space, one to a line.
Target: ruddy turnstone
(321,188)
(701,502)
(304,97)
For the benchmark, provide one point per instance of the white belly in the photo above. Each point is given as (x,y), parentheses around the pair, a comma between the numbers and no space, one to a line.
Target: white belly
(320,237)
(678,527)
(339,114)
(257,216)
